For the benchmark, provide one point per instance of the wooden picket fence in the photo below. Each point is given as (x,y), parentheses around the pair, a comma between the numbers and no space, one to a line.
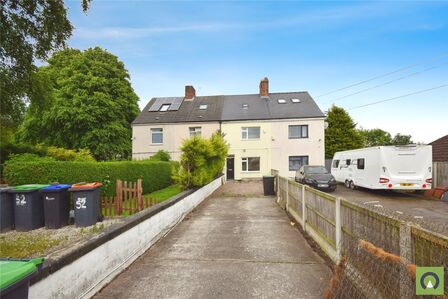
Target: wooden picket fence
(128,199)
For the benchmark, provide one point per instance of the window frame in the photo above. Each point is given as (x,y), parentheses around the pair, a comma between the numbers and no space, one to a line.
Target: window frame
(194,131)
(153,132)
(168,106)
(245,160)
(203,106)
(301,159)
(301,127)
(245,130)
(361,166)
(335,162)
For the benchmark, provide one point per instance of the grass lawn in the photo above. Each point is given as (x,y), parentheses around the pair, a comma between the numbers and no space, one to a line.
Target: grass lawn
(159,195)
(166,193)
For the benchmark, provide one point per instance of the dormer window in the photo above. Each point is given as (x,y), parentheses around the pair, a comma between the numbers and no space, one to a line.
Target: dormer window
(164,107)
(203,107)
(281,101)
(295,100)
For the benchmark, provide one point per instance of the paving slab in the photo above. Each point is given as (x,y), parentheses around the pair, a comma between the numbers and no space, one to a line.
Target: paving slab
(229,247)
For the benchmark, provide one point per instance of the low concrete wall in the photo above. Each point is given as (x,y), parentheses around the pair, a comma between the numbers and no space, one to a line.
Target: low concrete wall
(85,275)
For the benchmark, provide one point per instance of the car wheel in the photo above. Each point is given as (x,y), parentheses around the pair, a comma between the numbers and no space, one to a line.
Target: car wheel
(352,185)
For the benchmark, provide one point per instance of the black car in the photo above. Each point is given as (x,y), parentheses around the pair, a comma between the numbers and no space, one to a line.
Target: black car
(317,177)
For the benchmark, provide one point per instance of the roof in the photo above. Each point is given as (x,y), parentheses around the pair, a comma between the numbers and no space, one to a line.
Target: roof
(230,108)
(440,149)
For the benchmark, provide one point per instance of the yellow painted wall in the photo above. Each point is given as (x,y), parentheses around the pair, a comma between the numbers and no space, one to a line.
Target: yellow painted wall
(249,148)
(274,146)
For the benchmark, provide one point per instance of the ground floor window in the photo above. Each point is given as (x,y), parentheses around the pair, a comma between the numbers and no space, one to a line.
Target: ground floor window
(250,164)
(295,162)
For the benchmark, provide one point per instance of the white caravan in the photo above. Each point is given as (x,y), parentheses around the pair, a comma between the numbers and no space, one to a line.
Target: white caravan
(385,167)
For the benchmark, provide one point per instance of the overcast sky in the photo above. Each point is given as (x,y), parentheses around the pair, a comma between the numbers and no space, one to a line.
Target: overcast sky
(226,47)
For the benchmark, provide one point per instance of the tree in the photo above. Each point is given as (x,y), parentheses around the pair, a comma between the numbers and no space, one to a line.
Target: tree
(402,139)
(29,30)
(341,133)
(201,160)
(376,137)
(88,103)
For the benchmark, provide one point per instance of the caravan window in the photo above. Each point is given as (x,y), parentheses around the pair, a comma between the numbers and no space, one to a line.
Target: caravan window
(361,163)
(335,163)
(347,162)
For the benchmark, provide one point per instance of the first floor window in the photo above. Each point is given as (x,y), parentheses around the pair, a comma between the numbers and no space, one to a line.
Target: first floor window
(250,133)
(157,136)
(251,164)
(295,162)
(297,131)
(195,131)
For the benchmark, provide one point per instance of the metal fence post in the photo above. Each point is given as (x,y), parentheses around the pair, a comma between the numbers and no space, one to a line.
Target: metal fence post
(303,208)
(338,227)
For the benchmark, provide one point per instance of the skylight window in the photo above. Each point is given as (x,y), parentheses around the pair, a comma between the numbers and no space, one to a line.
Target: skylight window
(281,101)
(203,107)
(295,100)
(165,107)
(245,106)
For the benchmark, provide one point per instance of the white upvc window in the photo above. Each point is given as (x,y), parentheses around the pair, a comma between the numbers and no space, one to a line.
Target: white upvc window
(250,133)
(195,131)
(297,131)
(157,136)
(249,164)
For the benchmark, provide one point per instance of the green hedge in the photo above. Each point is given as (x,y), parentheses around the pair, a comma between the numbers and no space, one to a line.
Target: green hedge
(154,175)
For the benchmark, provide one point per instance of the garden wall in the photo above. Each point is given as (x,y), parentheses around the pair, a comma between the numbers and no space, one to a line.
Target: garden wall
(83,273)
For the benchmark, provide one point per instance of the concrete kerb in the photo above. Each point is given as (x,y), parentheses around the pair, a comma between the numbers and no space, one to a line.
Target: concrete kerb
(82,273)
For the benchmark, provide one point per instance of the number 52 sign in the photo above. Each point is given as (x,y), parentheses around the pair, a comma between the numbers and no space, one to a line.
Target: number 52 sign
(80,203)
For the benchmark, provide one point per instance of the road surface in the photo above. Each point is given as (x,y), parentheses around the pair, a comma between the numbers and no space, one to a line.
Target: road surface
(414,205)
(235,245)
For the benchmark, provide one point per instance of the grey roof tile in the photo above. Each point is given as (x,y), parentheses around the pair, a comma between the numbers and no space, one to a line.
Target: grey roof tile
(230,108)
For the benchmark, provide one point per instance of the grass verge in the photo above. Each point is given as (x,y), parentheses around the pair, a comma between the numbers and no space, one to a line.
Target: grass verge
(26,245)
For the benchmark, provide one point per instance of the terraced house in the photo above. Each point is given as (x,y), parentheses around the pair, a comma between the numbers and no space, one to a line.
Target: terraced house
(265,130)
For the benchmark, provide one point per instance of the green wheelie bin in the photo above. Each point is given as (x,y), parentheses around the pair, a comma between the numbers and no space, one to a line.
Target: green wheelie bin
(15,276)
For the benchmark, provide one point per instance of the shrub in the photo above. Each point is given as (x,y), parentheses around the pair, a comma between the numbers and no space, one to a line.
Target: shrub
(201,160)
(60,154)
(155,175)
(161,155)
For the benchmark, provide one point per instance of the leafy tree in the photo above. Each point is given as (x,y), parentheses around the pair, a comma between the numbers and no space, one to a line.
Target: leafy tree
(376,137)
(341,133)
(29,30)
(88,103)
(201,160)
(402,139)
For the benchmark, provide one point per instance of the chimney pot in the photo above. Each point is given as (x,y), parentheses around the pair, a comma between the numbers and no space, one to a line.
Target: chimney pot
(264,87)
(190,92)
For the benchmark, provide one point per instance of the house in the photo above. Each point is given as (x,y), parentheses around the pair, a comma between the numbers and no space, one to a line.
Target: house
(440,149)
(265,130)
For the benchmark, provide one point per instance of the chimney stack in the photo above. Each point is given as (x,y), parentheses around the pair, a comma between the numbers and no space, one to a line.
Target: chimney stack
(190,92)
(264,87)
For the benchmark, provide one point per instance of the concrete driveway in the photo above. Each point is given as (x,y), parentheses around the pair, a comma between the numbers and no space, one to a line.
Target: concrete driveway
(237,244)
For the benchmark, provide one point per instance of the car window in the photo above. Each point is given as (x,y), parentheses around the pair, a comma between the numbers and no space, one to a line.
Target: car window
(316,170)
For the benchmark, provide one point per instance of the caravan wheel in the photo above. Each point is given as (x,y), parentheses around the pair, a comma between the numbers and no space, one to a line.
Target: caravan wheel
(347,183)
(352,185)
